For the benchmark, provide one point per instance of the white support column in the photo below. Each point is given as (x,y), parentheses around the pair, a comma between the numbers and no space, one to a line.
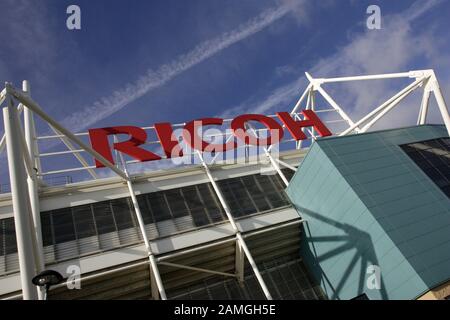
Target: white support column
(154,272)
(181,266)
(3,139)
(422,119)
(302,97)
(2,96)
(286,165)
(239,264)
(371,77)
(26,157)
(27,101)
(239,238)
(297,105)
(277,167)
(387,108)
(247,150)
(157,286)
(313,108)
(316,83)
(424,107)
(154,287)
(441,103)
(412,86)
(2,143)
(21,203)
(231,136)
(33,187)
(271,159)
(308,106)
(337,107)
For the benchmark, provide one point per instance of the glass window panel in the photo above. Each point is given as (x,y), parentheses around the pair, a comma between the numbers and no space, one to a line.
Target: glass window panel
(46,226)
(10,236)
(258,196)
(200,218)
(285,279)
(235,291)
(239,191)
(433,143)
(196,206)
(442,169)
(446,172)
(434,161)
(103,217)
(192,197)
(288,173)
(230,199)
(122,209)
(2,238)
(279,184)
(426,155)
(446,190)
(176,203)
(265,183)
(421,146)
(409,149)
(147,214)
(446,160)
(218,292)
(281,187)
(422,163)
(63,225)
(159,206)
(273,195)
(84,221)
(211,202)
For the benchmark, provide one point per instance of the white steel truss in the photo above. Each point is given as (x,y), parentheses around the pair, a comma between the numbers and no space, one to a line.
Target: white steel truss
(25,170)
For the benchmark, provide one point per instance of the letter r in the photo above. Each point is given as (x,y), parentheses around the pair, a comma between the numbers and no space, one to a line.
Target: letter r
(100,143)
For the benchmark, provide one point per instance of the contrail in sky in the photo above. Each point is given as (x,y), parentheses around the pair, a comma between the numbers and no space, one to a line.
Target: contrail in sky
(153,79)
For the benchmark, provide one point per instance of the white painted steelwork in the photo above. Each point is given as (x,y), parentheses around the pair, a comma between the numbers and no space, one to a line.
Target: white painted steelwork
(24,161)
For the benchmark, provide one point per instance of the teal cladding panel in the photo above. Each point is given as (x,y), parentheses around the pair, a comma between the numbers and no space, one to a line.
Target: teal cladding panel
(367,203)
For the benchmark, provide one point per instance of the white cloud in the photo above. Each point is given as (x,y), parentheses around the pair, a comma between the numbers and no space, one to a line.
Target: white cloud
(153,79)
(285,70)
(392,49)
(28,37)
(280,97)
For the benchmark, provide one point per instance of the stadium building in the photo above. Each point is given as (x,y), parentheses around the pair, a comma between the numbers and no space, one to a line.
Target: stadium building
(355,214)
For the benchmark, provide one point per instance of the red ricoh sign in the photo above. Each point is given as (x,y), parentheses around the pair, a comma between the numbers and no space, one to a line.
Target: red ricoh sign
(171,147)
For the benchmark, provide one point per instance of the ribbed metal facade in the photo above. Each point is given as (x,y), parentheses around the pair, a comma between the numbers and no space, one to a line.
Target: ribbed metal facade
(276,253)
(98,227)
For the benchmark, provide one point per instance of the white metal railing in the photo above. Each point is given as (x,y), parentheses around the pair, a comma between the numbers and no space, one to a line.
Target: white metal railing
(187,152)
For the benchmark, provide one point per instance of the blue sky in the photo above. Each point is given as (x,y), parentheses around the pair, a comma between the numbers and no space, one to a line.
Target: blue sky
(140,62)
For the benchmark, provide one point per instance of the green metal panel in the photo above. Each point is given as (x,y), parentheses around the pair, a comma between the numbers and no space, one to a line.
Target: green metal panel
(367,203)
